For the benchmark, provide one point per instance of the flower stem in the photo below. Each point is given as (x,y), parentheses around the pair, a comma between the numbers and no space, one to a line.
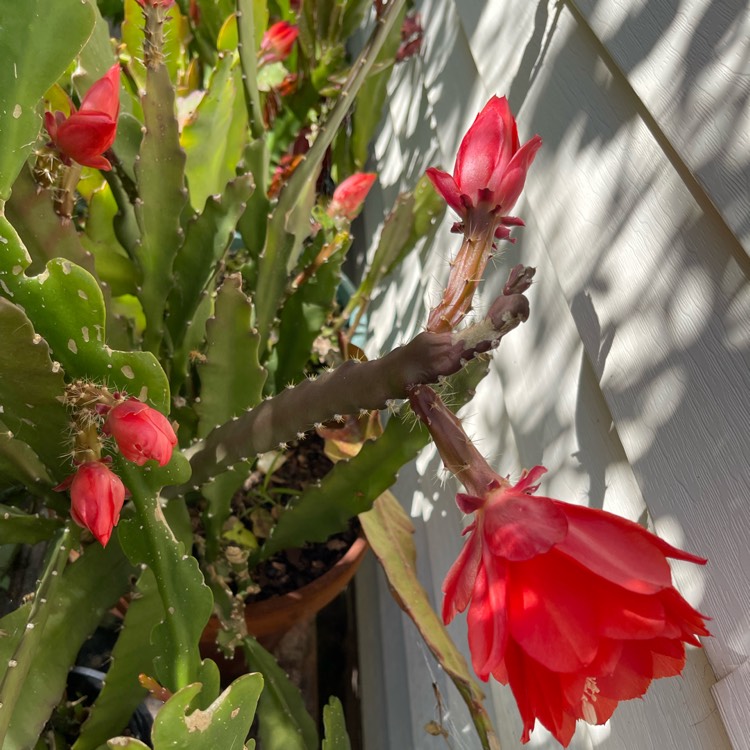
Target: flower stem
(466,272)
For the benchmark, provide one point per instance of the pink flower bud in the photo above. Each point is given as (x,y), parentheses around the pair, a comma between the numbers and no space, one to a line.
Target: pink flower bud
(490,168)
(349,196)
(277,42)
(96,498)
(141,433)
(87,133)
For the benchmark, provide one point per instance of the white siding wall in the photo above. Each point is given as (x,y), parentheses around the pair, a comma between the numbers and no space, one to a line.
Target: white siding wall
(631,381)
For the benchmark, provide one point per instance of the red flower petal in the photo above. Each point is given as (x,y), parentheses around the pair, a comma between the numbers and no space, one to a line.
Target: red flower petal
(550,613)
(487,617)
(104,94)
(617,549)
(518,527)
(446,186)
(459,582)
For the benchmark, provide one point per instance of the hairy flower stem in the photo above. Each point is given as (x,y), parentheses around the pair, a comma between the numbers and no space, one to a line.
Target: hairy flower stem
(467,270)
(351,387)
(459,454)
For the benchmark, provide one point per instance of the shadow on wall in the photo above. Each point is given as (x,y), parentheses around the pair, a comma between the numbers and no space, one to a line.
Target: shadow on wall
(654,280)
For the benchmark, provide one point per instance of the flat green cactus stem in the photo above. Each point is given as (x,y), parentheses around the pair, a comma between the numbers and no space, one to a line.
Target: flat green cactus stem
(66,307)
(160,176)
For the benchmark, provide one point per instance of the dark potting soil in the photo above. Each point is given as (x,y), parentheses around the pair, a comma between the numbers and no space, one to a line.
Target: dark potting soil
(291,569)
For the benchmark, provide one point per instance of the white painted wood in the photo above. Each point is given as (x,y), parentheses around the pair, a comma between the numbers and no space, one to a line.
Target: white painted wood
(631,379)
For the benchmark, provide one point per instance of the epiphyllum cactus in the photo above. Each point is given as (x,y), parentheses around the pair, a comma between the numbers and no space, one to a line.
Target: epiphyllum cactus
(487,180)
(573,607)
(86,134)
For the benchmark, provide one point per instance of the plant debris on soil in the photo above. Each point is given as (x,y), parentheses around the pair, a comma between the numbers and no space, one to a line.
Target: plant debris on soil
(260,501)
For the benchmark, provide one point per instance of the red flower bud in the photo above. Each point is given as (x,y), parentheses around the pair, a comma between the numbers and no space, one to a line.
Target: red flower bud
(96,498)
(277,42)
(141,433)
(490,168)
(90,131)
(349,196)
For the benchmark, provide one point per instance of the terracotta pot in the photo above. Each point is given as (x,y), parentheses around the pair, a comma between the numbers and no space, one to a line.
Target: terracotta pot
(268,620)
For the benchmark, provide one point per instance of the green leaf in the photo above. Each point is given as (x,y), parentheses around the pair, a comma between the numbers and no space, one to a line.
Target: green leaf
(31,389)
(132,655)
(283,720)
(368,108)
(214,138)
(66,307)
(223,725)
(17,527)
(160,177)
(305,312)
(207,239)
(87,589)
(389,532)
(31,67)
(43,232)
(231,376)
(113,265)
(335,727)
(349,488)
(147,538)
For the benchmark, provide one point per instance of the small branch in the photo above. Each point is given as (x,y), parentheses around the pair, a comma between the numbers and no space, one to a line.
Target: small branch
(351,387)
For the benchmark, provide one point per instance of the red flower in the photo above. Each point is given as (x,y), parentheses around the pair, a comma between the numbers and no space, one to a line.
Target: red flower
(96,498)
(573,607)
(490,168)
(141,433)
(349,196)
(90,131)
(277,42)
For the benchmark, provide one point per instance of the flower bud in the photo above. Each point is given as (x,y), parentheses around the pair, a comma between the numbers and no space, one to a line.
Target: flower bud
(96,498)
(141,433)
(349,196)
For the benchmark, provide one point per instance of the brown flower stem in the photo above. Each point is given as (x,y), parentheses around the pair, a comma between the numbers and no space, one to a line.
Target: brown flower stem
(350,388)
(466,272)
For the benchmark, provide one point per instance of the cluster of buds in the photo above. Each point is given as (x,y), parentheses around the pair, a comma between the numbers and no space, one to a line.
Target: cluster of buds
(140,433)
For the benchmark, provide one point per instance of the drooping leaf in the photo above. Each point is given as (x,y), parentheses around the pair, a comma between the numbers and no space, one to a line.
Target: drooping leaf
(389,532)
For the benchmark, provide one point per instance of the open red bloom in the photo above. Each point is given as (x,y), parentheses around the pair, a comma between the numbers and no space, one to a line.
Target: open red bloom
(571,606)
(141,433)
(90,131)
(490,168)
(277,42)
(96,498)
(349,196)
